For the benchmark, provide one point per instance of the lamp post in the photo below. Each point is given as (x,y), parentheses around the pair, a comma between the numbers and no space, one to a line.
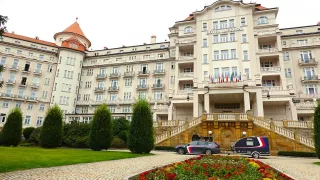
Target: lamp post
(244,134)
(210,136)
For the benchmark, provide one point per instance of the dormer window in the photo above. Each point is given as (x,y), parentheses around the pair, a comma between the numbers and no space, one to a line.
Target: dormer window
(188,30)
(17,42)
(147,48)
(121,51)
(73,45)
(223,8)
(299,31)
(263,20)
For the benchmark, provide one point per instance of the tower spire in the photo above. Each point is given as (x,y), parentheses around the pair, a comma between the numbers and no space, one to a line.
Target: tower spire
(76,19)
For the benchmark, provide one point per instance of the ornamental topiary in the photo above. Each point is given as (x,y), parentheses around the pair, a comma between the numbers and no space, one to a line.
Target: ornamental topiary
(101,131)
(12,129)
(51,133)
(141,133)
(27,132)
(35,136)
(316,130)
(0,138)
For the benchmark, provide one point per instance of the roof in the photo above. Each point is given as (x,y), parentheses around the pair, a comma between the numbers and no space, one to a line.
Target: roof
(25,38)
(74,28)
(260,8)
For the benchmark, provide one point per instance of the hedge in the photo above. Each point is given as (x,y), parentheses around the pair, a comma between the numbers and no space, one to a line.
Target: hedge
(27,132)
(12,129)
(165,148)
(297,154)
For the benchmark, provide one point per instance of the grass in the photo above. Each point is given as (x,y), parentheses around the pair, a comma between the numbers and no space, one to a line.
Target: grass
(317,163)
(19,158)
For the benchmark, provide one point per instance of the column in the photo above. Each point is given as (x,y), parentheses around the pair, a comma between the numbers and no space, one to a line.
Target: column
(246,100)
(294,114)
(206,103)
(260,112)
(195,105)
(170,112)
(154,116)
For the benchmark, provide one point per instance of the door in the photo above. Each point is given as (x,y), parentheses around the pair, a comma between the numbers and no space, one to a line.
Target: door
(192,147)
(202,147)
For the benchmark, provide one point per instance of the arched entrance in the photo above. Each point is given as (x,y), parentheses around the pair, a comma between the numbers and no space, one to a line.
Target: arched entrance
(226,137)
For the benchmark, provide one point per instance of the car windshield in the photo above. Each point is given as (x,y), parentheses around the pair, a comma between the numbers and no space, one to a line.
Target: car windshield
(193,143)
(203,143)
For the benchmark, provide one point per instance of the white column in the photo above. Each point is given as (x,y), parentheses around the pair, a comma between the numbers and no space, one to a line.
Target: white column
(170,112)
(154,116)
(206,103)
(294,114)
(246,100)
(195,105)
(260,112)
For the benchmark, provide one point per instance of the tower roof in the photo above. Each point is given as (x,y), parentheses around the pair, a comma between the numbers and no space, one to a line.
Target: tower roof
(74,28)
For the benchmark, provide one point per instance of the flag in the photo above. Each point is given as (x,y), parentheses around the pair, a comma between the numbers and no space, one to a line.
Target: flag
(222,78)
(227,78)
(232,76)
(240,77)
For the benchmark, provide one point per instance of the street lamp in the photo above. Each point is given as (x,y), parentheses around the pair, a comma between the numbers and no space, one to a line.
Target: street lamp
(244,133)
(210,136)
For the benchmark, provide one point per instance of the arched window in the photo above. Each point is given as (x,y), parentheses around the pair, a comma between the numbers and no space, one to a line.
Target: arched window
(222,8)
(262,20)
(188,30)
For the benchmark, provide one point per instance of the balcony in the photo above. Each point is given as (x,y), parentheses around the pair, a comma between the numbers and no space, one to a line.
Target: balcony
(267,33)
(313,78)
(268,50)
(37,72)
(143,73)
(270,70)
(158,72)
(308,62)
(11,82)
(14,68)
(23,84)
(186,75)
(142,87)
(31,98)
(158,86)
(128,74)
(186,41)
(186,57)
(306,105)
(6,95)
(34,85)
(114,75)
(99,89)
(26,71)
(113,89)
(101,76)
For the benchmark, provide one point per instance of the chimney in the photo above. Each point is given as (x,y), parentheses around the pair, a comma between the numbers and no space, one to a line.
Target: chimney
(153,39)
(105,47)
(37,37)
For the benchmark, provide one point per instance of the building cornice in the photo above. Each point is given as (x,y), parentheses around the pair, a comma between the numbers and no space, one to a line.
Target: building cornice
(27,47)
(301,35)
(299,27)
(128,53)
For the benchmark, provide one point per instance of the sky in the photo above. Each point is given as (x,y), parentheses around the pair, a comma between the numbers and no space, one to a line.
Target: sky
(128,22)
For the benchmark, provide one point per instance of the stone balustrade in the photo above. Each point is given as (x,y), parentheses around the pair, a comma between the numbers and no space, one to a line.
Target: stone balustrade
(276,69)
(306,105)
(227,117)
(293,124)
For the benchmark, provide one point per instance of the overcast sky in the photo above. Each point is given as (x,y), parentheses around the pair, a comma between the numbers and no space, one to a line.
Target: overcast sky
(128,22)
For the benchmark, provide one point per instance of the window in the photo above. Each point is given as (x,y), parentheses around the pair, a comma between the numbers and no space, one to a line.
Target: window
(308,73)
(204,27)
(128,82)
(223,24)
(113,97)
(127,96)
(215,25)
(205,58)
(64,100)
(224,38)
(215,39)
(126,109)
(159,67)
(269,83)
(224,54)
(249,143)
(27,120)
(216,55)
(3,60)
(15,64)
(143,82)
(302,42)
(18,104)
(234,71)
(188,30)
(286,56)
(68,74)
(112,109)
(44,94)
(262,20)
(172,79)
(205,43)
(233,54)
(39,121)
(47,81)
(247,72)
(90,72)
(299,31)
(114,84)
(225,71)
(216,72)
(205,74)
(173,65)
(244,38)
(5,104)
(306,56)
(157,95)
(311,89)
(287,72)
(266,64)
(232,37)
(243,21)
(187,87)
(284,43)
(71,61)
(245,55)
(41,57)
(41,107)
(30,106)
(231,23)
(142,95)
(49,69)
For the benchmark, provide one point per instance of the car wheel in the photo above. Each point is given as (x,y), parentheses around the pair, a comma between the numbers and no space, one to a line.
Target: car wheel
(208,152)
(180,151)
(255,155)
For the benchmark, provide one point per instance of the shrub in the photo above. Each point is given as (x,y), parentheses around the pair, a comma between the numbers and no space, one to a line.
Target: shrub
(51,133)
(101,132)
(297,154)
(12,129)
(35,136)
(316,129)
(0,138)
(76,135)
(27,132)
(118,143)
(141,133)
(165,148)
(119,125)
(26,144)
(123,135)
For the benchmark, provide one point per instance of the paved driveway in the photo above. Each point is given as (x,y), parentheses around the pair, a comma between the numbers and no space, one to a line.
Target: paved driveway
(117,169)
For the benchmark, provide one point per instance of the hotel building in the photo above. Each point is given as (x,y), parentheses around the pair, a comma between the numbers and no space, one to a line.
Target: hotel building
(230,57)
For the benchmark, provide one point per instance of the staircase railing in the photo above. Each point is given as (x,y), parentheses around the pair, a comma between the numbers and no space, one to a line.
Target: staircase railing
(283,131)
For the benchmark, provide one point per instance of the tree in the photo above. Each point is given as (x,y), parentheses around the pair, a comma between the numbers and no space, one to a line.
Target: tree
(316,129)
(3,28)
(51,133)
(12,129)
(27,132)
(121,128)
(141,133)
(101,131)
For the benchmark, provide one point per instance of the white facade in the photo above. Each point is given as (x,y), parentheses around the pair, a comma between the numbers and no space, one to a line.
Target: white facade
(274,71)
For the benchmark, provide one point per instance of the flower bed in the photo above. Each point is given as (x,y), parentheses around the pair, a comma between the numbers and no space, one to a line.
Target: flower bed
(214,167)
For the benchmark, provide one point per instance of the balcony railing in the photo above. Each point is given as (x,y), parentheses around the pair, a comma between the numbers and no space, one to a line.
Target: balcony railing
(142,87)
(99,89)
(268,50)
(227,117)
(187,41)
(14,68)
(186,75)
(143,73)
(25,70)
(275,91)
(158,86)
(306,105)
(34,85)
(186,57)
(113,89)
(31,98)
(23,84)
(311,61)
(266,33)
(158,71)
(275,69)
(37,72)
(114,75)
(128,74)
(309,96)
(11,81)
(101,76)
(310,78)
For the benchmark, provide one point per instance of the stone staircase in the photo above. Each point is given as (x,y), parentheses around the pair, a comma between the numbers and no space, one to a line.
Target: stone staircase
(274,126)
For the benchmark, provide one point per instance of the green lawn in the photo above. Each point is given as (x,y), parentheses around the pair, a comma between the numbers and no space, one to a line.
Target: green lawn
(317,163)
(18,158)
